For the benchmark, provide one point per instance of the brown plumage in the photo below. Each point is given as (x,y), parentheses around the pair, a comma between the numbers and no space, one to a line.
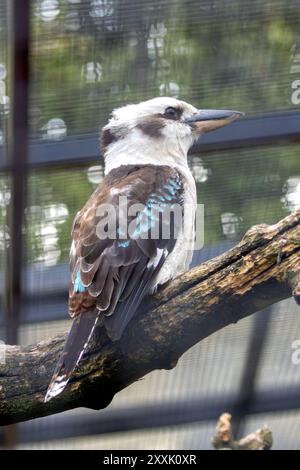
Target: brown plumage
(115,274)
(102,262)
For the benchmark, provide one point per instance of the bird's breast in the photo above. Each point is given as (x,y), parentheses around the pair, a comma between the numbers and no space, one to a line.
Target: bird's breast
(180,258)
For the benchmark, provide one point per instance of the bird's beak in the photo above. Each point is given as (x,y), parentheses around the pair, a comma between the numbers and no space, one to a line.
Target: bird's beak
(207,120)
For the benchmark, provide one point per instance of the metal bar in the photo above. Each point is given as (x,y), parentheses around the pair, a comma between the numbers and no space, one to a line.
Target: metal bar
(17,157)
(18,21)
(154,416)
(252,359)
(85,149)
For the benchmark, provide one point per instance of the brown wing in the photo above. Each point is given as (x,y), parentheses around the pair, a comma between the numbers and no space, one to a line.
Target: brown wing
(115,273)
(110,276)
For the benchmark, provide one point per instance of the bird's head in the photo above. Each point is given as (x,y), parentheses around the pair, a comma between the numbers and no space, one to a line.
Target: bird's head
(157,131)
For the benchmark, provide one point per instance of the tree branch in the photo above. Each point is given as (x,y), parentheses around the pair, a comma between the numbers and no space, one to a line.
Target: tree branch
(262,439)
(261,270)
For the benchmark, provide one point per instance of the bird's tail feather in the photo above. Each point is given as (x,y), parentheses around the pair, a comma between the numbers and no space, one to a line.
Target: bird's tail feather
(75,345)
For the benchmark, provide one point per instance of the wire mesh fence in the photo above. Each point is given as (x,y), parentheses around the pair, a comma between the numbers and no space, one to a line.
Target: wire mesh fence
(86,58)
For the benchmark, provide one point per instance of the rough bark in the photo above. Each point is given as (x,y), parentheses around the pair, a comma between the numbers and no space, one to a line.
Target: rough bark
(261,270)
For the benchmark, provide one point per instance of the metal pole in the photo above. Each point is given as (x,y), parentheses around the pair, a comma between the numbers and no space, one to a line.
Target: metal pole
(18,21)
(18,38)
(246,395)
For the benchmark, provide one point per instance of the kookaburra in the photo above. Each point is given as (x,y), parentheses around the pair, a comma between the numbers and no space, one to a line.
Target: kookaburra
(145,150)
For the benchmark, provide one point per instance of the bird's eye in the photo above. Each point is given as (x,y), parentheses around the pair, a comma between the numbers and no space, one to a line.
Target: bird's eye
(171,113)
